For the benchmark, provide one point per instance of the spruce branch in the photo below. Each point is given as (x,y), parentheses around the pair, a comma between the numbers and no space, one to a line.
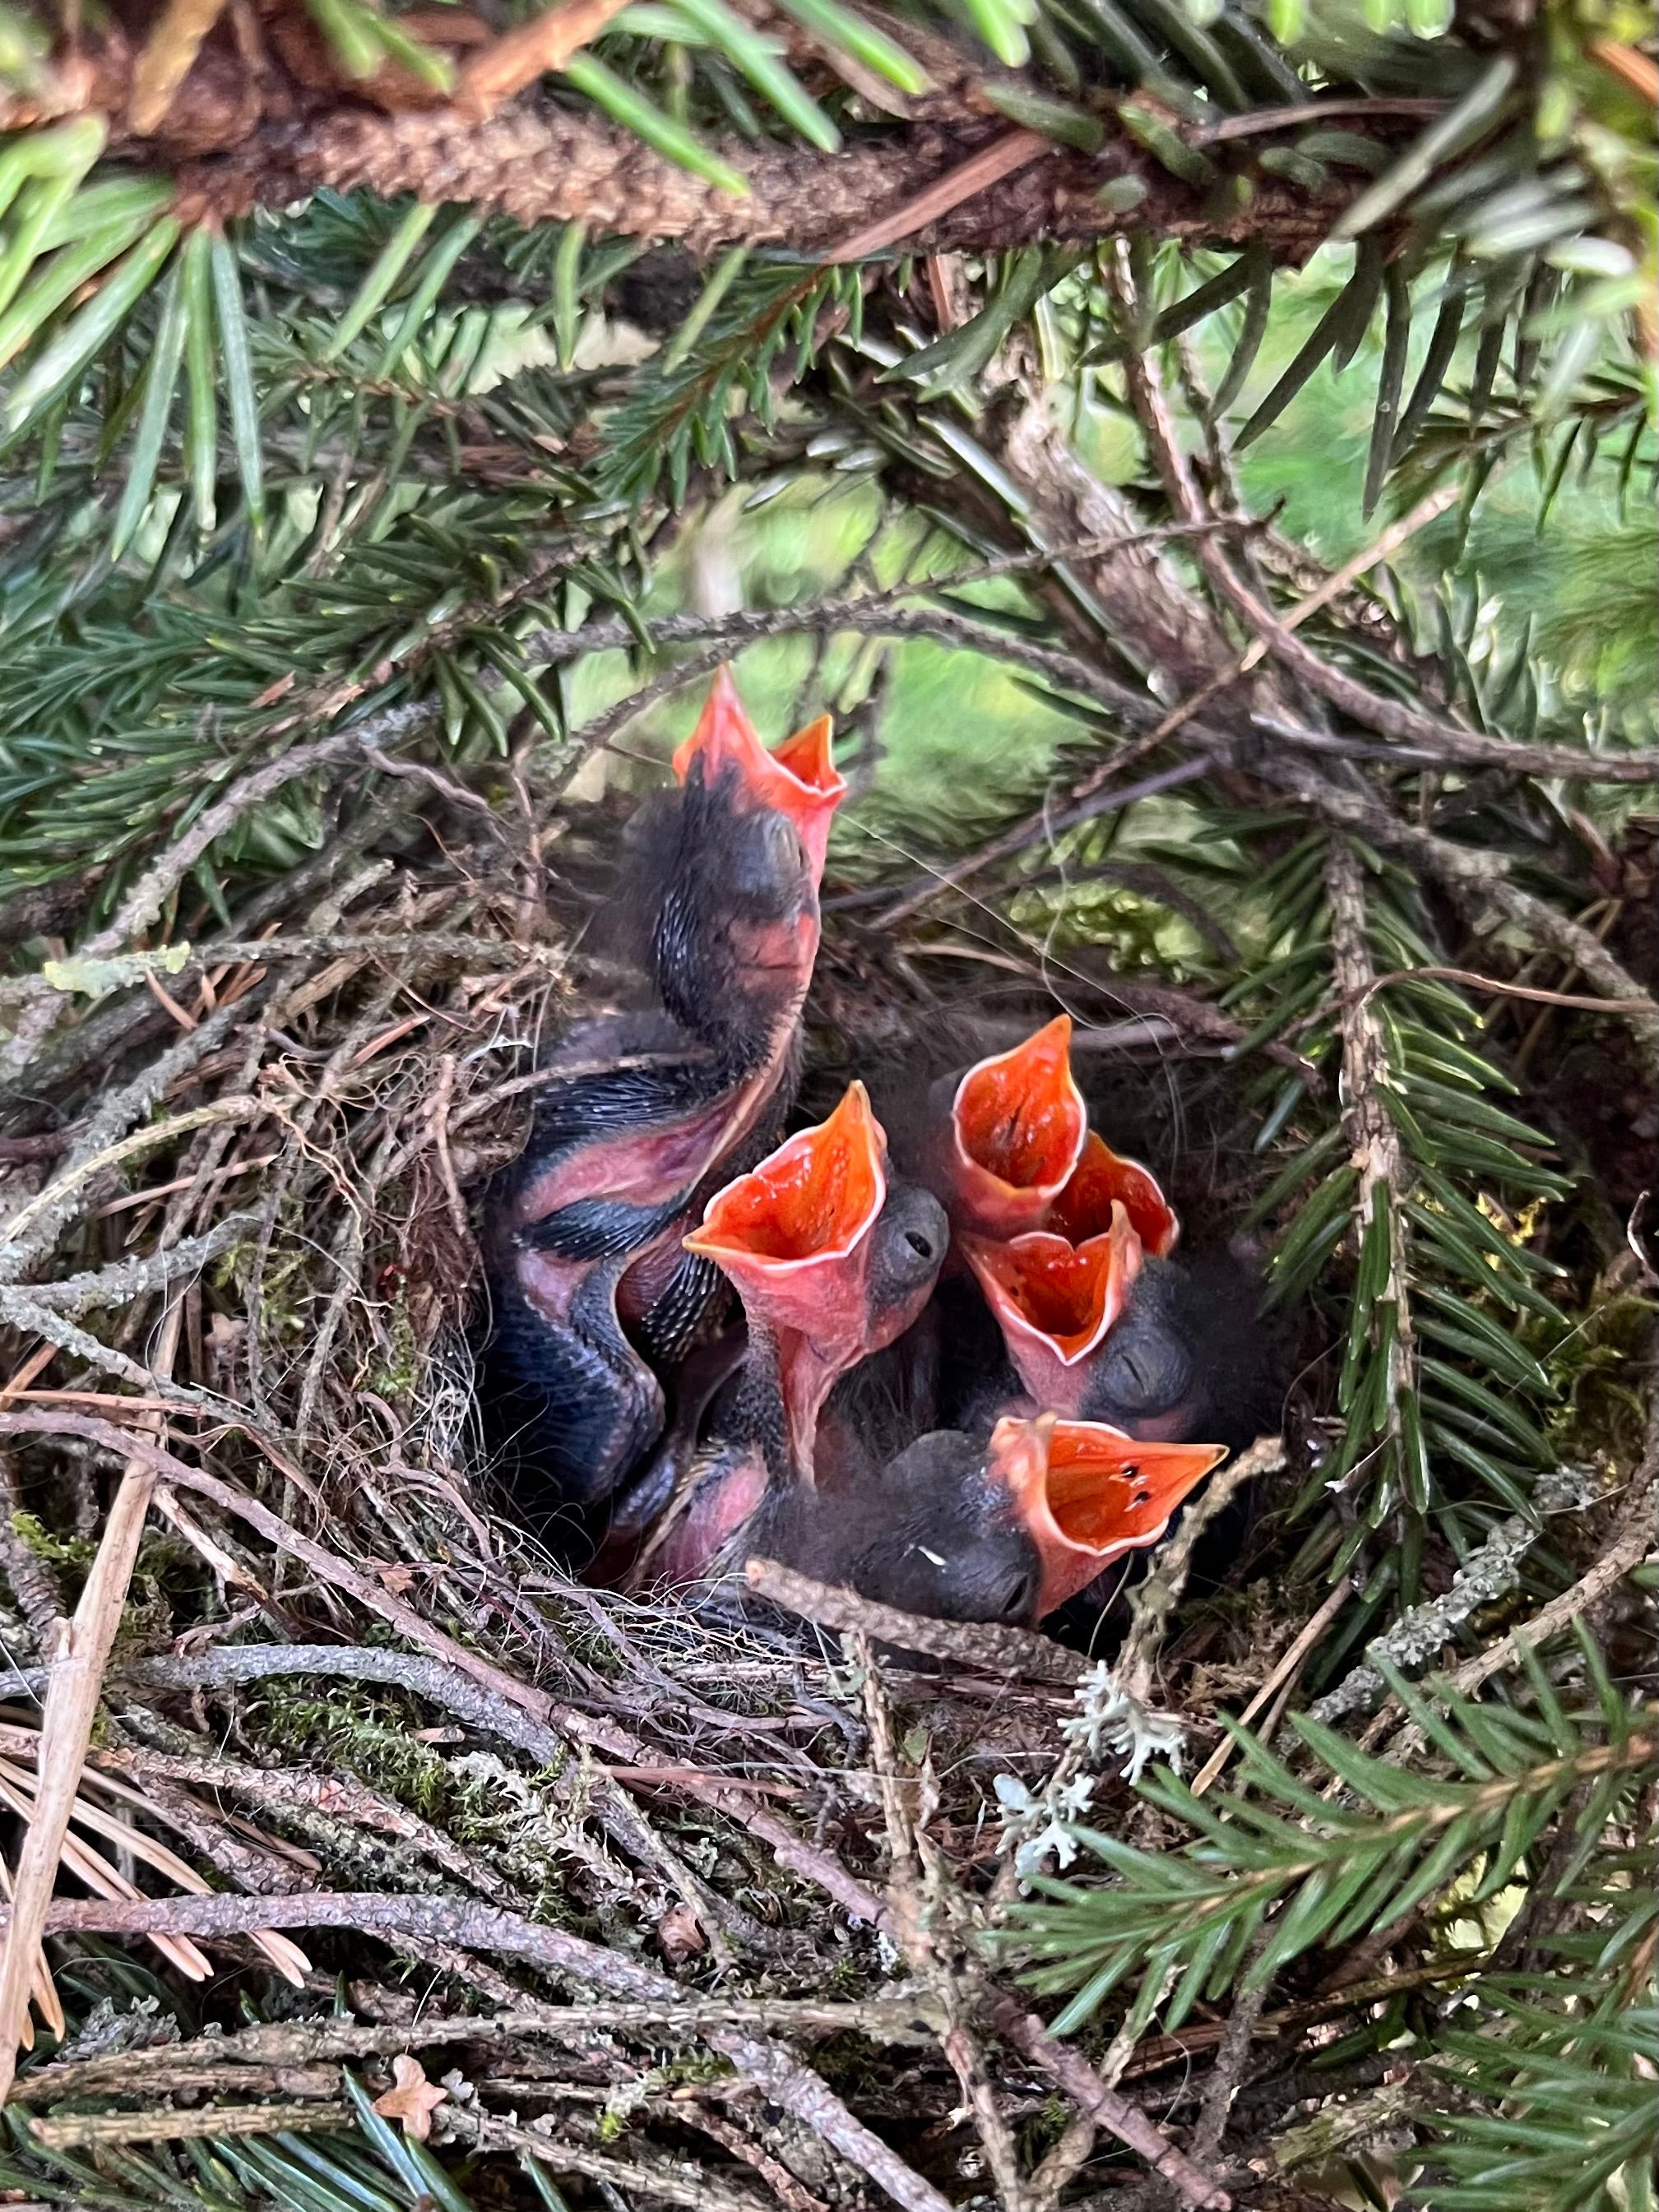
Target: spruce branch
(1383,1180)
(1550,2104)
(1282,1869)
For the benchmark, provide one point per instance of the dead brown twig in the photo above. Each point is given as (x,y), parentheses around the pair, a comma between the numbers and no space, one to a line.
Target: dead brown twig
(774,2069)
(1151,1605)
(77,1661)
(96,2130)
(998,1650)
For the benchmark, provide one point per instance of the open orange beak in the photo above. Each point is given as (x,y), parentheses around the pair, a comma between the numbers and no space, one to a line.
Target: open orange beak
(799,780)
(1085,1493)
(1055,1301)
(1102,1180)
(1018,1125)
(793,1235)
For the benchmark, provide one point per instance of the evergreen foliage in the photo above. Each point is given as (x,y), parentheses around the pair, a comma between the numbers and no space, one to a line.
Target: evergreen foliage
(330,487)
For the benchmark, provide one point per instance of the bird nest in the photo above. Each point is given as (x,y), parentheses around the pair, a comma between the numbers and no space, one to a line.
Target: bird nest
(436,1876)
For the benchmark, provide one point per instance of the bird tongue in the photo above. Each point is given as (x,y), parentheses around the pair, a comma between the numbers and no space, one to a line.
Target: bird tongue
(1086,1493)
(1055,1301)
(1017,1123)
(799,780)
(1100,1181)
(793,1235)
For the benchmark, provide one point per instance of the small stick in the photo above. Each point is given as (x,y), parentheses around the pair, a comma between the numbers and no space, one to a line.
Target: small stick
(1288,1667)
(1151,1605)
(1068,2067)
(621,2175)
(1427,510)
(1472,981)
(141,1140)
(988,167)
(84,1646)
(534,49)
(95,2130)
(997,1650)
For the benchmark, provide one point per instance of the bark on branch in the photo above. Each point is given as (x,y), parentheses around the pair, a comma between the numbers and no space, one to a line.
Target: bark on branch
(235,141)
(540,162)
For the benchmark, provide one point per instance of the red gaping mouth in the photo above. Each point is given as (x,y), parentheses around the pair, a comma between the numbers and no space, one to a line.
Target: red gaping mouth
(799,780)
(1100,1180)
(793,1235)
(790,1231)
(1055,1301)
(1086,1493)
(1017,1127)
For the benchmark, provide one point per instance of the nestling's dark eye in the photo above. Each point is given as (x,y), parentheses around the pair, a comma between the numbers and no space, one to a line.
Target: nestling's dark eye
(1144,1369)
(766,861)
(1014,1603)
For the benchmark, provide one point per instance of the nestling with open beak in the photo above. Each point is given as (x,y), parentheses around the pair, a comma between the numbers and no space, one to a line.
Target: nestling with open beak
(590,1288)
(832,1260)
(1004,1138)
(1099,1321)
(1004,1529)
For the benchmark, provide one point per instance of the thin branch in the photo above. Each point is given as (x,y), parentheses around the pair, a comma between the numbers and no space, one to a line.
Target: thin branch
(682,2185)
(477,1927)
(1439,740)
(1151,1605)
(512,62)
(76,1682)
(1002,158)
(993,1649)
(1286,1671)
(126,1280)
(85,973)
(1479,882)
(25,1229)
(1265,119)
(1472,981)
(1113,2112)
(101,2130)
(300,2043)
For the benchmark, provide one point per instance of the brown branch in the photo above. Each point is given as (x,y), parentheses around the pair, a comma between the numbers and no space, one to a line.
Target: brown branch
(538,162)
(773,2069)
(1480,884)
(247,140)
(995,1650)
(100,2130)
(1473,981)
(1073,2071)
(1437,740)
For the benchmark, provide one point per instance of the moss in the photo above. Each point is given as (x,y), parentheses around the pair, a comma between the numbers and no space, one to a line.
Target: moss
(397,1378)
(369,1736)
(57,1551)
